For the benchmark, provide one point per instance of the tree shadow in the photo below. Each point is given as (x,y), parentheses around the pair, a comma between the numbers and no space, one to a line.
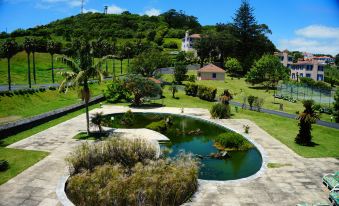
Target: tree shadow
(262,88)
(146,106)
(311,144)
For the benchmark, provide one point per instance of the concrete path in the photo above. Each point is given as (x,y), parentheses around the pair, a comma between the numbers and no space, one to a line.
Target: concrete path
(289,185)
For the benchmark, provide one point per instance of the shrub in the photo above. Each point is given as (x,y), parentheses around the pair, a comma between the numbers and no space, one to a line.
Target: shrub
(42,89)
(116,92)
(3,165)
(125,152)
(98,120)
(258,102)
(161,182)
(52,88)
(170,45)
(191,89)
(207,93)
(159,126)
(251,100)
(128,118)
(221,111)
(232,140)
(246,128)
(191,78)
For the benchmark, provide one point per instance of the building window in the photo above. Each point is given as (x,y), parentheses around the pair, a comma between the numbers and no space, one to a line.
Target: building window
(320,68)
(293,76)
(308,75)
(290,59)
(301,75)
(309,67)
(320,77)
(214,75)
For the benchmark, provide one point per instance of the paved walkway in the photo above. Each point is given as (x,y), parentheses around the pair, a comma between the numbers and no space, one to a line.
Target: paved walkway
(282,186)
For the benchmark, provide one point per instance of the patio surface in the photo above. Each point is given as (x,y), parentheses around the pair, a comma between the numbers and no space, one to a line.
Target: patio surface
(288,185)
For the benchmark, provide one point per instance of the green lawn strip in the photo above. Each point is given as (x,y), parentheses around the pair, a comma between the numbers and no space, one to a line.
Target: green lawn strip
(285,130)
(18,160)
(92,136)
(22,135)
(273,165)
(22,106)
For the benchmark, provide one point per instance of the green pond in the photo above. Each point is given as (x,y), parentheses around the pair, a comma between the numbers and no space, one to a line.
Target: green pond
(183,138)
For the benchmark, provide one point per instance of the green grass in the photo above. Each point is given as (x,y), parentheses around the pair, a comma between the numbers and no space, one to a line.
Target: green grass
(21,106)
(277,165)
(91,136)
(283,129)
(22,135)
(18,160)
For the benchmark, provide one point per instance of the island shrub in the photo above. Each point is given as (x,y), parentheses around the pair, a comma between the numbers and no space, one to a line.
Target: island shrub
(206,93)
(191,89)
(159,126)
(221,111)
(128,118)
(232,141)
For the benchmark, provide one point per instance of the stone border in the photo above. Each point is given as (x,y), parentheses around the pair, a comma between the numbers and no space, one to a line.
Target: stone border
(62,197)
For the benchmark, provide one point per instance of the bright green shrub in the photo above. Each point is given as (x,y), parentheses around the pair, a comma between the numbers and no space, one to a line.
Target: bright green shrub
(159,126)
(191,89)
(206,93)
(232,140)
(116,92)
(128,118)
(221,111)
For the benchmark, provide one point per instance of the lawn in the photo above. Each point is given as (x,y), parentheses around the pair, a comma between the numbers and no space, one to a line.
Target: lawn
(21,106)
(18,160)
(283,129)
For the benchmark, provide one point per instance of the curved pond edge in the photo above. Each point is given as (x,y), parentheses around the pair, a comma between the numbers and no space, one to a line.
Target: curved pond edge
(62,197)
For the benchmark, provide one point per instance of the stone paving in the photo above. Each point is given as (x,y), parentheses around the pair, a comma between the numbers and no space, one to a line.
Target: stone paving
(288,185)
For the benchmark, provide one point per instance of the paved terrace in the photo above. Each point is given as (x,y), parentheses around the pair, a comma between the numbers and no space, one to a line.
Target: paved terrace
(289,185)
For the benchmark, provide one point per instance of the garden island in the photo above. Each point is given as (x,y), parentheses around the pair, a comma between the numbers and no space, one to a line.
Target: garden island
(157,108)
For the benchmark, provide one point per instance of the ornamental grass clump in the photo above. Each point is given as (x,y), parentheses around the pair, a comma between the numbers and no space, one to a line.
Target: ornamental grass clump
(150,181)
(115,151)
(232,141)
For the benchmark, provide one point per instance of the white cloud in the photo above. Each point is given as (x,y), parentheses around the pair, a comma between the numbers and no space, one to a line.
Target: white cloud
(91,10)
(318,31)
(314,39)
(115,9)
(152,12)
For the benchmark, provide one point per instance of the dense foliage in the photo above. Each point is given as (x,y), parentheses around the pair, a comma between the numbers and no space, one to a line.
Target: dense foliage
(306,119)
(267,71)
(220,111)
(232,141)
(315,84)
(233,66)
(116,92)
(180,72)
(191,89)
(207,93)
(336,106)
(126,172)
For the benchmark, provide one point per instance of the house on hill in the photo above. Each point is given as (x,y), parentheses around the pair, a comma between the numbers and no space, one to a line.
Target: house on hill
(211,72)
(189,41)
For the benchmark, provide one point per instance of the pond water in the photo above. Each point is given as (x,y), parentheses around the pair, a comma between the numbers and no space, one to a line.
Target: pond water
(241,164)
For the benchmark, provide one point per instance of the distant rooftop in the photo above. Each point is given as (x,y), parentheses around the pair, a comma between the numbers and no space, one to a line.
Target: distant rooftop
(211,68)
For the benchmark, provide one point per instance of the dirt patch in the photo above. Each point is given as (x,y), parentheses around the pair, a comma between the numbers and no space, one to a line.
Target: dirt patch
(12,118)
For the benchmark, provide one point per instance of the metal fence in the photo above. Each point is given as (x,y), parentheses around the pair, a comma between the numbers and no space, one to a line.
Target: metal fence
(302,92)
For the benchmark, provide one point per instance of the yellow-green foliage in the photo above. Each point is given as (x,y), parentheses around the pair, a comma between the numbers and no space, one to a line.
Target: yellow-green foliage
(232,140)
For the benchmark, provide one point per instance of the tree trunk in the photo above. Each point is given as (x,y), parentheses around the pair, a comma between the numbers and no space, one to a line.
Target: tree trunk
(86,91)
(121,65)
(34,71)
(29,70)
(9,73)
(113,69)
(106,67)
(52,68)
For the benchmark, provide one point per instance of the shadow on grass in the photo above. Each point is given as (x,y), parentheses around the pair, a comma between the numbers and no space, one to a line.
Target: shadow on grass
(91,136)
(262,88)
(147,106)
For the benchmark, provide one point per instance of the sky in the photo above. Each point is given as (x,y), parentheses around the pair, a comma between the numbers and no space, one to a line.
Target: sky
(303,25)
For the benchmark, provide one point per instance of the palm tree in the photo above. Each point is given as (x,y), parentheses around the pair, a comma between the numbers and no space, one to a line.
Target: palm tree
(52,48)
(83,68)
(306,119)
(28,46)
(9,49)
(34,48)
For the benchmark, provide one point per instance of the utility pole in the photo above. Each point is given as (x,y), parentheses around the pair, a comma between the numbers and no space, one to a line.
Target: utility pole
(82,6)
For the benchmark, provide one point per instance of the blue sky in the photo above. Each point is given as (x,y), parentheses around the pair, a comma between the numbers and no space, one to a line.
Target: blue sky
(306,25)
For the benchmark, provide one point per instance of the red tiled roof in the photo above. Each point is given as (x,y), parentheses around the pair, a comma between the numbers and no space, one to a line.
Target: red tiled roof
(155,80)
(195,36)
(211,68)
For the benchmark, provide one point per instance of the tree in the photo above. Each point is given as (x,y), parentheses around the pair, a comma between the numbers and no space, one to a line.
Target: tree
(331,74)
(28,46)
(83,68)
(180,71)
(204,48)
(267,71)
(306,119)
(297,55)
(336,60)
(252,40)
(173,88)
(34,49)
(141,87)
(233,66)
(336,106)
(98,120)
(149,61)
(53,48)
(9,49)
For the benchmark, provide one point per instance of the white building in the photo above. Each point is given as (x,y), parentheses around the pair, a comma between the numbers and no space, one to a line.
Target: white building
(189,41)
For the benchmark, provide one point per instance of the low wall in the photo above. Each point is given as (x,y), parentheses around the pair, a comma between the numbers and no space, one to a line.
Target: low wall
(12,128)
